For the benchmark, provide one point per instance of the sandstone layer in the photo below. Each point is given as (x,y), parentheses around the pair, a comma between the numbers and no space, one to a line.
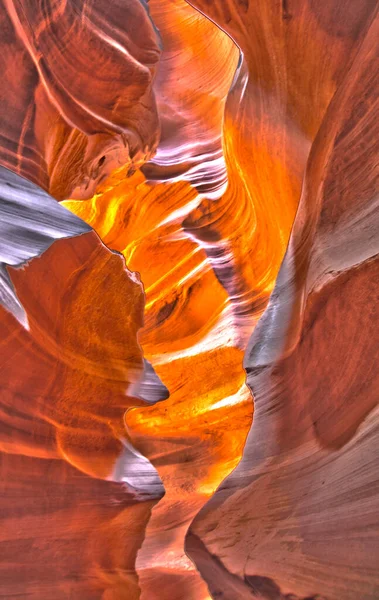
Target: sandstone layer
(217,163)
(298,517)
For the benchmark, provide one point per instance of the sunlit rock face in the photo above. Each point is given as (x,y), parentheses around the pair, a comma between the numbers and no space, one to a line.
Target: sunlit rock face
(193,79)
(183,138)
(71,364)
(189,322)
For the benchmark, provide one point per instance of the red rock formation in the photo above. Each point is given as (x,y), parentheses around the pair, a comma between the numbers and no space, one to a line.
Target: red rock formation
(300,513)
(193,79)
(67,381)
(77,100)
(64,392)
(294,56)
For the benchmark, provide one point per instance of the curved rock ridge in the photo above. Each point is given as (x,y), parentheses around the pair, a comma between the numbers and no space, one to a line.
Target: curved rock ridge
(291,67)
(280,100)
(116,575)
(293,58)
(299,516)
(71,365)
(63,321)
(82,105)
(189,328)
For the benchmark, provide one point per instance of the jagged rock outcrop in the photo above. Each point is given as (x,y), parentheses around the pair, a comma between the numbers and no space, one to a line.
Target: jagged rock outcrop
(71,365)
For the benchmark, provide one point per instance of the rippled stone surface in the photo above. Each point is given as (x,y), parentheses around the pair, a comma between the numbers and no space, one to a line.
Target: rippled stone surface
(189,322)
(82,105)
(186,146)
(299,514)
(73,484)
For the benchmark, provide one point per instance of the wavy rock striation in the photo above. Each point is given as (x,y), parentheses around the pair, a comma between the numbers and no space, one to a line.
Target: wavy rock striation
(71,478)
(278,99)
(82,105)
(299,516)
(189,326)
(293,63)
(191,86)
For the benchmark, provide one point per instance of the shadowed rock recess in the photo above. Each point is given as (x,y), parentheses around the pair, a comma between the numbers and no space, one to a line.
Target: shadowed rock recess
(189,203)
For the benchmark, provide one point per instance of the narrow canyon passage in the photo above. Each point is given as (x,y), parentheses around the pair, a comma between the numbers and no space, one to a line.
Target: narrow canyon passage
(208,263)
(219,163)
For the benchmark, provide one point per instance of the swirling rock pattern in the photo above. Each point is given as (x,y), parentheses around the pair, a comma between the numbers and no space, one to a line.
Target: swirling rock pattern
(277,99)
(71,478)
(191,86)
(189,325)
(82,105)
(301,508)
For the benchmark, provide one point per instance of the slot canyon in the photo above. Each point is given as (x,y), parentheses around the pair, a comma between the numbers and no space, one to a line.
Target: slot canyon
(189,295)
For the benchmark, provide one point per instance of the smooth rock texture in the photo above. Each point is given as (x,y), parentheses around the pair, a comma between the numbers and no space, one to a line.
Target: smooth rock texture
(72,484)
(193,79)
(191,335)
(189,329)
(300,513)
(76,97)
(294,55)
(185,136)
(91,356)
